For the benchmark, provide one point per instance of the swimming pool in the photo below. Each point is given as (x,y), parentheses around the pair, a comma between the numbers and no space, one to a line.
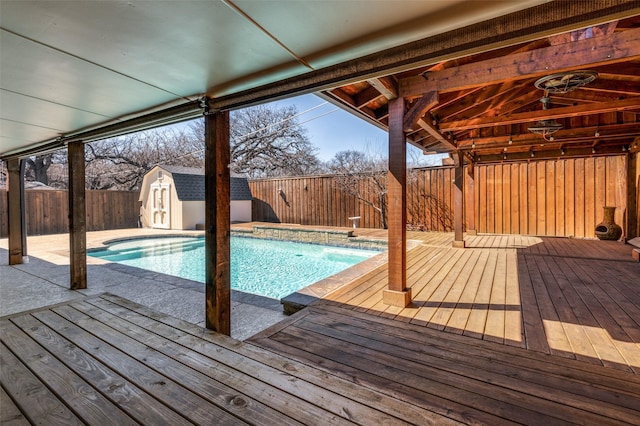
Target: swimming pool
(265,267)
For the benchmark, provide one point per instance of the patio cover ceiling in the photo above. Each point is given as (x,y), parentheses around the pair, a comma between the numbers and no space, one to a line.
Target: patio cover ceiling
(485,104)
(77,69)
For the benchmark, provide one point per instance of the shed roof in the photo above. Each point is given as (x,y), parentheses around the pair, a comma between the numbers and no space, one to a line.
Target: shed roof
(189,184)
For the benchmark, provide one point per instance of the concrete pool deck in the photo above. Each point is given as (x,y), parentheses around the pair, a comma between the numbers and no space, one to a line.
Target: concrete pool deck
(44,281)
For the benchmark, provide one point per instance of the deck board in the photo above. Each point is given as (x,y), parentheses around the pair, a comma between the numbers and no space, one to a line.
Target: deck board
(10,415)
(478,381)
(106,360)
(567,297)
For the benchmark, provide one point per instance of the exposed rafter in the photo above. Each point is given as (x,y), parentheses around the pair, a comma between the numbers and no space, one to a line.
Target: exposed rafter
(433,130)
(619,47)
(418,109)
(487,101)
(589,109)
(585,134)
(387,86)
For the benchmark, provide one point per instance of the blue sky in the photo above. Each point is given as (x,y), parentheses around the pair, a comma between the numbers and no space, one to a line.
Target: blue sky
(331,129)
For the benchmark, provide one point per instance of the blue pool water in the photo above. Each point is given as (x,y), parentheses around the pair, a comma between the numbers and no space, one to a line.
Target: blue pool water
(265,267)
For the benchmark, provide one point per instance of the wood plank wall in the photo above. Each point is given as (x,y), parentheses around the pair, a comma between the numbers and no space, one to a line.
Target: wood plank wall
(47,211)
(562,197)
(553,198)
(318,201)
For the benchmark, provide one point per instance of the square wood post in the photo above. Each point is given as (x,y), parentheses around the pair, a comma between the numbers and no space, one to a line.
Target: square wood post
(470,200)
(397,294)
(16,212)
(217,222)
(77,217)
(458,201)
(632,196)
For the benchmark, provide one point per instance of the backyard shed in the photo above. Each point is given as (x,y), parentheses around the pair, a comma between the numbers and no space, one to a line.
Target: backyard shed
(172,197)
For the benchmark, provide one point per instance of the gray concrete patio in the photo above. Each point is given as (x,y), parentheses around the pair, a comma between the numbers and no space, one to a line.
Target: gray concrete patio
(44,281)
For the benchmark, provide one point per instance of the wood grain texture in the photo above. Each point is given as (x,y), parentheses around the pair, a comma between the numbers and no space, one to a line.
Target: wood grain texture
(567,297)
(435,370)
(217,223)
(46,211)
(149,368)
(561,197)
(77,217)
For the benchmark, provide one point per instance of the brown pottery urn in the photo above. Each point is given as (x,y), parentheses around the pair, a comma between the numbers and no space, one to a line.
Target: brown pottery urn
(607,229)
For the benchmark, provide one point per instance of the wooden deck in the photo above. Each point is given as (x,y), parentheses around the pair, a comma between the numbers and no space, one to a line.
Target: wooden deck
(573,298)
(462,378)
(106,360)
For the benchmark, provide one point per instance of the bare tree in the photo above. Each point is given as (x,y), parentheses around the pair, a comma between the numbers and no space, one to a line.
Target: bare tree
(425,210)
(37,168)
(265,141)
(364,176)
(268,141)
(121,163)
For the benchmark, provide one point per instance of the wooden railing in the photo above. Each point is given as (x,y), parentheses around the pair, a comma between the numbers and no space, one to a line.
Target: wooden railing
(47,211)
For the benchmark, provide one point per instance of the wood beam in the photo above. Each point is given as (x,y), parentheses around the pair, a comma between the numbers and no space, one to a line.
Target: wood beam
(606,132)
(15,212)
(461,100)
(614,87)
(618,47)
(77,217)
(397,294)
(418,109)
(543,114)
(367,95)
(548,154)
(581,34)
(526,25)
(387,86)
(433,130)
(458,200)
(217,223)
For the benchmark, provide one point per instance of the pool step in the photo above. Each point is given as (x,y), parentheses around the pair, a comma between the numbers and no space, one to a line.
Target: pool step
(137,252)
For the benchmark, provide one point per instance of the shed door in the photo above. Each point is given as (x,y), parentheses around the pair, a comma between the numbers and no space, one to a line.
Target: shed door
(160,203)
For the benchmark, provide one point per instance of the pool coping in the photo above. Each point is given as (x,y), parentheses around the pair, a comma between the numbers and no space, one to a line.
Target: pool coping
(304,297)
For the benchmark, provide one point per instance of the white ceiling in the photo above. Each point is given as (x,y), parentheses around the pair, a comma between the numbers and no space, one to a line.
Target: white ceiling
(72,65)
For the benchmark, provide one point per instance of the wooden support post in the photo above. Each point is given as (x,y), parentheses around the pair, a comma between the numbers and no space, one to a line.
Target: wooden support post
(458,201)
(15,212)
(77,217)
(632,196)
(218,222)
(470,200)
(397,294)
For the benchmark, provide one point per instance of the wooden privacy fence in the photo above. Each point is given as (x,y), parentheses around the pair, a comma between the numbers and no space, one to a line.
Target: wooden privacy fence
(47,211)
(553,198)
(319,201)
(562,197)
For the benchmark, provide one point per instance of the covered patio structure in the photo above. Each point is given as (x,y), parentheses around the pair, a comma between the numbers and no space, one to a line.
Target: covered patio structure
(465,77)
